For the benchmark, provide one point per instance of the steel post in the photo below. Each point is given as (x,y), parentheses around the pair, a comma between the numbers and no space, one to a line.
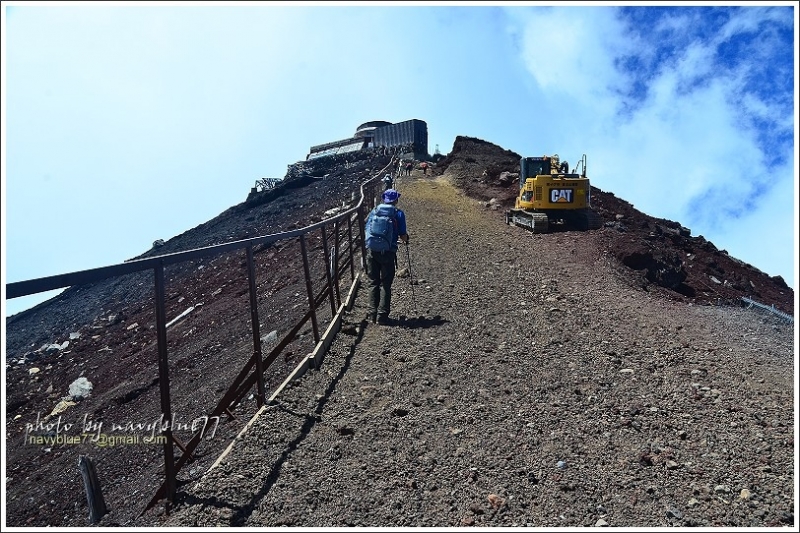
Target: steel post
(350,246)
(251,276)
(163,383)
(311,304)
(328,271)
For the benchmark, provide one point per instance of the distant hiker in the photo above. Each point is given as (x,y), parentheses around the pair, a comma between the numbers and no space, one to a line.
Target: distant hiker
(385,224)
(424,167)
(388,182)
(409,168)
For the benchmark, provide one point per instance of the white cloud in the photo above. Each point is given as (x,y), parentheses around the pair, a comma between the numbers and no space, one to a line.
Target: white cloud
(766,233)
(566,51)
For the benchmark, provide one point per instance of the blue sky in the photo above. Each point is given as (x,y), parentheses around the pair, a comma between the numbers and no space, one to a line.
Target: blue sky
(127,123)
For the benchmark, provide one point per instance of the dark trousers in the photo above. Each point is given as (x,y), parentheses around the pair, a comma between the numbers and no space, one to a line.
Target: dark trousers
(380,271)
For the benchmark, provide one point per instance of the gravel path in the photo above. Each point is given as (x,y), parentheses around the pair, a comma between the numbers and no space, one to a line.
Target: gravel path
(523,383)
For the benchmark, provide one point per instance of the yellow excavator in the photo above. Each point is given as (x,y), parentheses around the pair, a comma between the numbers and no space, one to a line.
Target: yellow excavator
(550,195)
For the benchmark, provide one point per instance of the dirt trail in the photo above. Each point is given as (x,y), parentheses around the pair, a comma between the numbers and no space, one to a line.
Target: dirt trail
(522,384)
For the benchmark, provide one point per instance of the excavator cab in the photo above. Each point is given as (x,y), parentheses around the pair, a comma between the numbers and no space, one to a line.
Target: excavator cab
(530,167)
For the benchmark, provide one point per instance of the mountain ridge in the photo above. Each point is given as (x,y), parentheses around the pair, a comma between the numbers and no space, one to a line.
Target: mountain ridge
(655,249)
(114,319)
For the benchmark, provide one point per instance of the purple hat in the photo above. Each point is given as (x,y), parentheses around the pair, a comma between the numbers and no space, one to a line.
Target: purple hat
(390,196)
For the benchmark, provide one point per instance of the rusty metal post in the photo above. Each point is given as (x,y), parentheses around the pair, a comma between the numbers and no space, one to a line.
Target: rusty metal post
(350,247)
(251,275)
(328,270)
(336,263)
(94,493)
(163,382)
(361,226)
(310,292)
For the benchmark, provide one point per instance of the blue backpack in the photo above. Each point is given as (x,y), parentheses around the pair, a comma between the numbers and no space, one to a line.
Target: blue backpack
(381,233)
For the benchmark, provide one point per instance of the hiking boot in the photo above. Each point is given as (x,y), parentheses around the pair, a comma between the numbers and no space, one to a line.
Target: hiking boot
(383,320)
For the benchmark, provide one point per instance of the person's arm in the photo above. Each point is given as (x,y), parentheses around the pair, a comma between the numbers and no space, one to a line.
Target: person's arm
(401,226)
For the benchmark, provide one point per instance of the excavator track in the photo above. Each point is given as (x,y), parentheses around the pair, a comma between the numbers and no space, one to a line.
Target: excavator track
(535,222)
(586,219)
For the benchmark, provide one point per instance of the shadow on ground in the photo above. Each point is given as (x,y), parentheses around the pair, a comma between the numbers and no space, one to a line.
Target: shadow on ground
(420,322)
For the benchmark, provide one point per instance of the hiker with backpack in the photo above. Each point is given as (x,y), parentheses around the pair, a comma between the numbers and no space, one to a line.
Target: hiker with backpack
(385,224)
(388,182)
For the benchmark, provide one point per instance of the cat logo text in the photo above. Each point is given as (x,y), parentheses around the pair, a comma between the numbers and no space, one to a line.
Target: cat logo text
(561,196)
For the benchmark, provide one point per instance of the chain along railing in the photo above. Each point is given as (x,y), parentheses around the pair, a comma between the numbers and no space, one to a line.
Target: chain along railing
(770,308)
(339,257)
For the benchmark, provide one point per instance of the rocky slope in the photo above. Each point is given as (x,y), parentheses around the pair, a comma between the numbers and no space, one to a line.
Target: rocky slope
(104,332)
(659,253)
(664,404)
(520,389)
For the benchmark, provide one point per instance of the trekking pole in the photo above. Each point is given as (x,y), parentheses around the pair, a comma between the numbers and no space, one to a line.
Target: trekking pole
(410,278)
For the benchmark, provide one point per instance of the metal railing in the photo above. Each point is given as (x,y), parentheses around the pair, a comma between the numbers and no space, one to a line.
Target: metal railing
(770,308)
(339,256)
